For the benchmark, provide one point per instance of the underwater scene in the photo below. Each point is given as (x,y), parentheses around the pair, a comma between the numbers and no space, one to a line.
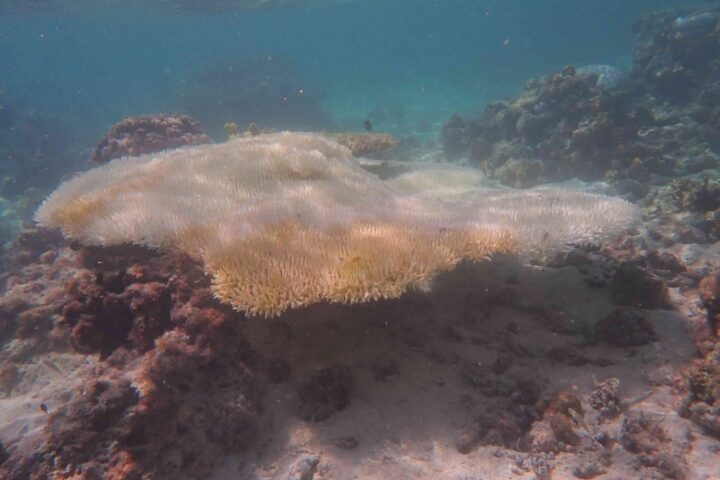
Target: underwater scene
(359,239)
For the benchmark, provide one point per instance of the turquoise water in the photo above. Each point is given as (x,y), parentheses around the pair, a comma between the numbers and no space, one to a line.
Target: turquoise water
(409,63)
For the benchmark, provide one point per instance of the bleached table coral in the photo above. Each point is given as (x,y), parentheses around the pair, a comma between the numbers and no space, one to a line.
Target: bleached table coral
(286,220)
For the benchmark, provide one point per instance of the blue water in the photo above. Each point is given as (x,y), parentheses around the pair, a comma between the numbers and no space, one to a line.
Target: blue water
(410,62)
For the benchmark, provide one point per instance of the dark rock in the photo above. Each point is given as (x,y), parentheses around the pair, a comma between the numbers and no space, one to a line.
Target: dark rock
(636,287)
(479,377)
(501,364)
(347,443)
(634,189)
(326,392)
(530,126)
(277,370)
(710,295)
(480,151)
(467,441)
(568,355)
(382,370)
(455,136)
(626,328)
(520,173)
(665,262)
(526,391)
(4,455)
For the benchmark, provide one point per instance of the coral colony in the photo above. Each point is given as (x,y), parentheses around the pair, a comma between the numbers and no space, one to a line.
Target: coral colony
(290,219)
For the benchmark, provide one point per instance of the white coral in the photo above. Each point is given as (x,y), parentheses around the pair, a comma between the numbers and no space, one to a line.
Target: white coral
(289,219)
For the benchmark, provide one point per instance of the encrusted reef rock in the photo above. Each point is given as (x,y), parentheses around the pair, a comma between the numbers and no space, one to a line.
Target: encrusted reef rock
(147,134)
(169,383)
(701,385)
(661,120)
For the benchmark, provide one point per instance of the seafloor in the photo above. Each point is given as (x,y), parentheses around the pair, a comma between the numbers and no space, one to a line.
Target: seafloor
(602,362)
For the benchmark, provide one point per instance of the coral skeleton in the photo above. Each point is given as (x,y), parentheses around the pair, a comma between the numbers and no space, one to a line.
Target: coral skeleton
(285,220)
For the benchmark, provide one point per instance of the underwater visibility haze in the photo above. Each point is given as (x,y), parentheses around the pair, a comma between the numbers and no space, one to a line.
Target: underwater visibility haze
(342,239)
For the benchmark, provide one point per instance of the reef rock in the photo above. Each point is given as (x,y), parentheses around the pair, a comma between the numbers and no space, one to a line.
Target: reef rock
(659,120)
(148,134)
(173,390)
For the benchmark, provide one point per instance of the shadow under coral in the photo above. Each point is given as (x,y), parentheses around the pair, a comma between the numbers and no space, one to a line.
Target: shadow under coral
(466,380)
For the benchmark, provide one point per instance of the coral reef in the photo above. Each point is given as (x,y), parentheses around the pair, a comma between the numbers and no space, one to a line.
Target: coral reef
(289,219)
(660,121)
(119,361)
(174,362)
(686,210)
(135,136)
